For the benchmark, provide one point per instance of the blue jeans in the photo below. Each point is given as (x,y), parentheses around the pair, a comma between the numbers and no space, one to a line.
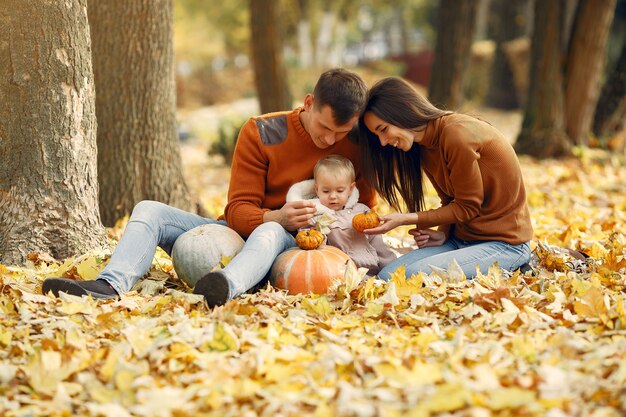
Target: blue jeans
(468,255)
(155,224)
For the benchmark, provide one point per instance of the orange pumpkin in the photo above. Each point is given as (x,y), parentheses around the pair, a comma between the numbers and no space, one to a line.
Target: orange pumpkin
(365,220)
(309,239)
(305,271)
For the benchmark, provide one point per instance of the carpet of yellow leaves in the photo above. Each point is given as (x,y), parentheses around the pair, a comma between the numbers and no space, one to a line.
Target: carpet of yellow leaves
(548,343)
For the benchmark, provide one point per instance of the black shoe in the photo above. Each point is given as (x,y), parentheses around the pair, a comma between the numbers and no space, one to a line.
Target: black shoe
(215,287)
(525,268)
(99,288)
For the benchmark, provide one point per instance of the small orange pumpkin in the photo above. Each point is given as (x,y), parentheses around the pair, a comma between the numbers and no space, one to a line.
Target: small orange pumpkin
(306,271)
(365,220)
(309,239)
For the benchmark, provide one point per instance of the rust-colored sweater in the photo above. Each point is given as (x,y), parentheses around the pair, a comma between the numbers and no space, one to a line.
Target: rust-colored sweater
(477,175)
(273,152)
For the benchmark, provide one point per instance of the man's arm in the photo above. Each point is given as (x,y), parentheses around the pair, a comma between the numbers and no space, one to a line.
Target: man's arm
(246,192)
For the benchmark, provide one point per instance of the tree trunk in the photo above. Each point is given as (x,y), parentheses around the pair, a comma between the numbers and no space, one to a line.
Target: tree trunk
(48,175)
(305,47)
(324,34)
(483,19)
(337,53)
(585,65)
(270,75)
(139,153)
(507,22)
(543,132)
(611,110)
(455,32)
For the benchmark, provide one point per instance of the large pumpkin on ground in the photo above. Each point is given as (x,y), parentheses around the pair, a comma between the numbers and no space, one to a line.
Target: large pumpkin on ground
(199,250)
(305,271)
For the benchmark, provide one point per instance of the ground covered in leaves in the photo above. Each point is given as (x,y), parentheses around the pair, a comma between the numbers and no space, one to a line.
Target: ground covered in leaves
(546,343)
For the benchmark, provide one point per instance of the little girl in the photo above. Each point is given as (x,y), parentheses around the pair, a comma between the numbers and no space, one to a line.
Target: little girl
(333,184)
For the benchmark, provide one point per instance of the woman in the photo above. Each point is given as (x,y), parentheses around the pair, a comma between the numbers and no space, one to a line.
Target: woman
(483,217)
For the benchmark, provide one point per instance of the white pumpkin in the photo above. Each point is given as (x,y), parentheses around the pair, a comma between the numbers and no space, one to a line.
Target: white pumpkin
(200,250)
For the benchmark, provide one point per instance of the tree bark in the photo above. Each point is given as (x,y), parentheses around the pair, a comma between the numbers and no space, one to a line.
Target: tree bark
(340,42)
(305,46)
(508,22)
(611,110)
(455,32)
(139,153)
(585,64)
(270,75)
(543,129)
(325,34)
(48,175)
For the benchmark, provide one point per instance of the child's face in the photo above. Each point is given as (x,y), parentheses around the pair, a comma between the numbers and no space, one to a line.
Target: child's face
(333,190)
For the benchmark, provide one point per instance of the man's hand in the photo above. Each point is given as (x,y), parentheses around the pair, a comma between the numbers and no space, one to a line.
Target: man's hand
(427,237)
(292,215)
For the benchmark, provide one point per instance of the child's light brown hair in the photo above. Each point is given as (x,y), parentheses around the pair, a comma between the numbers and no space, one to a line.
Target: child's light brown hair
(337,165)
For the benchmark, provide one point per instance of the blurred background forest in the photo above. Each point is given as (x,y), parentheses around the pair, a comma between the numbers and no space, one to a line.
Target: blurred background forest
(214,64)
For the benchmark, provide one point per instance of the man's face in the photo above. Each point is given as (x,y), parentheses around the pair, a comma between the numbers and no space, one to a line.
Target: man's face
(322,127)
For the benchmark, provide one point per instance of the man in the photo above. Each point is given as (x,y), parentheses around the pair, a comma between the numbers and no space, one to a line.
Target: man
(273,151)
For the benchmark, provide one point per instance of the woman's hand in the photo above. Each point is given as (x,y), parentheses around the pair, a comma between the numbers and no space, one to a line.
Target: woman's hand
(388,222)
(427,237)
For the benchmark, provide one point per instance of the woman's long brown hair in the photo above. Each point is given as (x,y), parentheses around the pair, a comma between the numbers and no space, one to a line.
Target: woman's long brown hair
(392,171)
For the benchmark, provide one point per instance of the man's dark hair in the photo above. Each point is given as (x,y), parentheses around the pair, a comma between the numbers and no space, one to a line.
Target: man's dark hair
(344,91)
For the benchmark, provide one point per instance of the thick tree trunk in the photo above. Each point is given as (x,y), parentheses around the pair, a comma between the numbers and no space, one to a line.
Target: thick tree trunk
(270,75)
(455,32)
(48,177)
(139,153)
(611,110)
(585,64)
(543,129)
(508,22)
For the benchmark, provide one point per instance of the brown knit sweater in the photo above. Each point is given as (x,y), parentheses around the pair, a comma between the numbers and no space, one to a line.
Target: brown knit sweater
(477,175)
(273,152)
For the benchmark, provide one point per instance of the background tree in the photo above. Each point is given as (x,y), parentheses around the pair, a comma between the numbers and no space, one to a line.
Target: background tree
(305,45)
(455,33)
(138,149)
(270,75)
(48,177)
(611,111)
(543,128)
(507,21)
(584,66)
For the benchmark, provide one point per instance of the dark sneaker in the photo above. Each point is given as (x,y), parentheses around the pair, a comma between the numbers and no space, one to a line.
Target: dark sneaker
(99,288)
(215,287)
(525,268)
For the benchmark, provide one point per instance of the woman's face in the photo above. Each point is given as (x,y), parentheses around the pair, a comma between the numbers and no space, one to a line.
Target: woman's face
(389,134)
